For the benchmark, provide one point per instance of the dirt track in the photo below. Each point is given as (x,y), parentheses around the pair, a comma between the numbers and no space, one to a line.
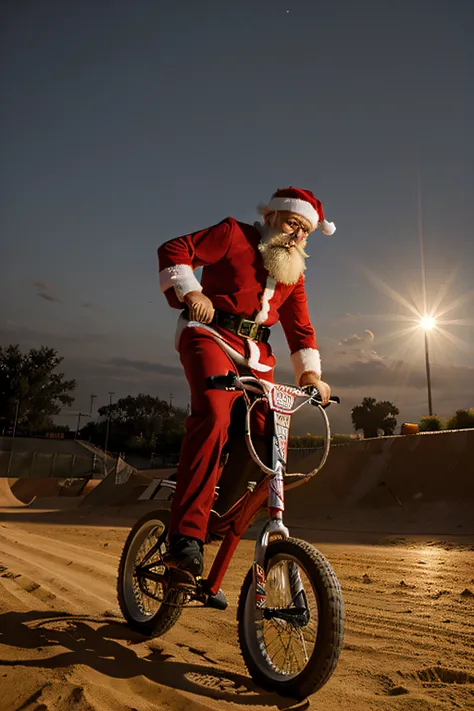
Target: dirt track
(408,645)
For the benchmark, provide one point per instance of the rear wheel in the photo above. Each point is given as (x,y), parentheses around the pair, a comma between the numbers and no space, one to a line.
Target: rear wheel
(145,600)
(292,645)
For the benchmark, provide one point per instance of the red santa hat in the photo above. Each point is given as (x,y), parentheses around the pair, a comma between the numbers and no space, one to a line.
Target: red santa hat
(301,202)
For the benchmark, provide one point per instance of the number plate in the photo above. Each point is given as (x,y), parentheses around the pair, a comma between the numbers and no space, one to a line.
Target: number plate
(283,399)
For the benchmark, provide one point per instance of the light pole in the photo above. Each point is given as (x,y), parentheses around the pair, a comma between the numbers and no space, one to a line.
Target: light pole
(107,428)
(78,426)
(428,323)
(93,397)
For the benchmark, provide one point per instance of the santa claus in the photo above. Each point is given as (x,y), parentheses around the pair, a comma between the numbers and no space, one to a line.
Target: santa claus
(252,277)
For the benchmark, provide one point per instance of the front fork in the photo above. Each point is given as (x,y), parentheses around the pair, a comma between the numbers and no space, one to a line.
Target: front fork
(274,528)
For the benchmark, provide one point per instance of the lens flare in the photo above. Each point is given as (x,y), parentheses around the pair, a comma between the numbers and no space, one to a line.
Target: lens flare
(414,317)
(428,323)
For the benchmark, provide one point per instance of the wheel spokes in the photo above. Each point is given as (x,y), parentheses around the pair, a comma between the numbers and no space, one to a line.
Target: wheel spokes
(288,628)
(147,585)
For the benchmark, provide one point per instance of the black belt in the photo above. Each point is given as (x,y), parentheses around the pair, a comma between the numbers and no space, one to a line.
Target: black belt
(244,327)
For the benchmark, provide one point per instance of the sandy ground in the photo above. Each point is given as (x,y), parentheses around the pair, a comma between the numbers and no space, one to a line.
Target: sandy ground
(409,626)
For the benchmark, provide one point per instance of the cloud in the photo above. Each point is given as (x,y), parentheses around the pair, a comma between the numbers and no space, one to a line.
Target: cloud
(41,285)
(32,338)
(99,377)
(46,292)
(394,374)
(49,297)
(358,339)
(144,366)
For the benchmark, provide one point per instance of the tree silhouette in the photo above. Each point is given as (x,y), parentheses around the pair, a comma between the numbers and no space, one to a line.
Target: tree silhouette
(430,423)
(463,419)
(371,416)
(29,381)
(143,422)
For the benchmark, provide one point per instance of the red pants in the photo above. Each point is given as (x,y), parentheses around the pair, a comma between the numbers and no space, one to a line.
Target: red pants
(206,432)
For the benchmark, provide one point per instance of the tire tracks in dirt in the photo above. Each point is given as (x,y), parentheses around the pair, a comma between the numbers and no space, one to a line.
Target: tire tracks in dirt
(59,603)
(60,612)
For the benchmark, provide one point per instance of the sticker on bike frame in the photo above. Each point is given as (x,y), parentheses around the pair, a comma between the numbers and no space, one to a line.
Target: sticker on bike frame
(276,497)
(282,429)
(282,398)
(260,592)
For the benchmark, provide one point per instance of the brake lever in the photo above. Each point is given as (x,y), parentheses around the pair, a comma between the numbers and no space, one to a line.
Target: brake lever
(315,396)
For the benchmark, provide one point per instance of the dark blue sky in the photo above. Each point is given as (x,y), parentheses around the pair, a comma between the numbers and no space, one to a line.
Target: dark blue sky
(127,123)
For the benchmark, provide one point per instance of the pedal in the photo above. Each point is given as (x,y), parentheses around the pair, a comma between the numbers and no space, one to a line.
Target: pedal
(217,601)
(181,579)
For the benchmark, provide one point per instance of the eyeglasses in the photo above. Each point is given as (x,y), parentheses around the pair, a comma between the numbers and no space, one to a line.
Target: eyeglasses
(296,225)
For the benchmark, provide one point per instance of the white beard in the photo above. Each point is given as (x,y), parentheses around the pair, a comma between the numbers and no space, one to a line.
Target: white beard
(284,264)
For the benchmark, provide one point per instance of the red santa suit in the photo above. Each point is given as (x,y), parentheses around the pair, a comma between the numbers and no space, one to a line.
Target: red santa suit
(235,280)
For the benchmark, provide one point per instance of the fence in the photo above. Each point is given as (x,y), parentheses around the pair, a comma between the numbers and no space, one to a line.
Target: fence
(47,464)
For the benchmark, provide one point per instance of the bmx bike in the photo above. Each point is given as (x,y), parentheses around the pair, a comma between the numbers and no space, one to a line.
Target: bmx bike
(290,611)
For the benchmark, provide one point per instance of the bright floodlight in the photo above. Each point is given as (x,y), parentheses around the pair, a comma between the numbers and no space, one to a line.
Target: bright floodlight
(427,323)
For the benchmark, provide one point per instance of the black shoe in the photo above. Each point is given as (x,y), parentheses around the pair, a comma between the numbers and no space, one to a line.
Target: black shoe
(185,553)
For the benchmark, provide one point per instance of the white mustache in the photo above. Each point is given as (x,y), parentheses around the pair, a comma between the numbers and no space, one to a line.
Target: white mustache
(272,238)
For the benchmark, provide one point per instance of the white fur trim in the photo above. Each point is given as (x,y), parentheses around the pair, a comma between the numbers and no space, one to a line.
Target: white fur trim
(268,294)
(307,359)
(181,277)
(254,351)
(299,207)
(327,228)
(237,357)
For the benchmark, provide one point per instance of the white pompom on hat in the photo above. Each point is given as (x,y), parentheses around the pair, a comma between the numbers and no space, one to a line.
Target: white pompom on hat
(301,202)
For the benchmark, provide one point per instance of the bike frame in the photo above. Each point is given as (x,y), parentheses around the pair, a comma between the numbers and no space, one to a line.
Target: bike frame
(282,401)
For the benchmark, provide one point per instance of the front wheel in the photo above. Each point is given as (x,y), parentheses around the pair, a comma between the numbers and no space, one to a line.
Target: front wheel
(292,645)
(145,600)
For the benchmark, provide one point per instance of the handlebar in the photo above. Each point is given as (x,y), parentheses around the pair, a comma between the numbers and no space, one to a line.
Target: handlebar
(251,384)
(231,382)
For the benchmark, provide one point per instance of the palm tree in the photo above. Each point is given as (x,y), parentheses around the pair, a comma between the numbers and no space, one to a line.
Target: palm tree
(371,416)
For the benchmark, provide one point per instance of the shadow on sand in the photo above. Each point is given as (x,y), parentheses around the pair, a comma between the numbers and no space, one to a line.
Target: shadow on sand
(100,649)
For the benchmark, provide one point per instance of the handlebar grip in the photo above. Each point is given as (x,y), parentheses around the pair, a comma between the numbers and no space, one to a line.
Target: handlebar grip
(313,391)
(222,382)
(334,400)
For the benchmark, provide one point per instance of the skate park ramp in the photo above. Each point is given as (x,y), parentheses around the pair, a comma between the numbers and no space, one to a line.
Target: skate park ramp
(415,483)
(8,499)
(397,483)
(23,491)
(43,469)
(123,485)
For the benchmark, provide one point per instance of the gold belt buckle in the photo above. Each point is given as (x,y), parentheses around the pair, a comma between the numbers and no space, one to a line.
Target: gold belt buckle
(248,328)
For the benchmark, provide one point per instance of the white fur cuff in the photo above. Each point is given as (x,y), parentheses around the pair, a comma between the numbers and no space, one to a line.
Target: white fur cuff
(304,360)
(181,277)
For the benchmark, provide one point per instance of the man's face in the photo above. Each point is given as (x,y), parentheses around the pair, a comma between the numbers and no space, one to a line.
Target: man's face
(295,226)
(282,246)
